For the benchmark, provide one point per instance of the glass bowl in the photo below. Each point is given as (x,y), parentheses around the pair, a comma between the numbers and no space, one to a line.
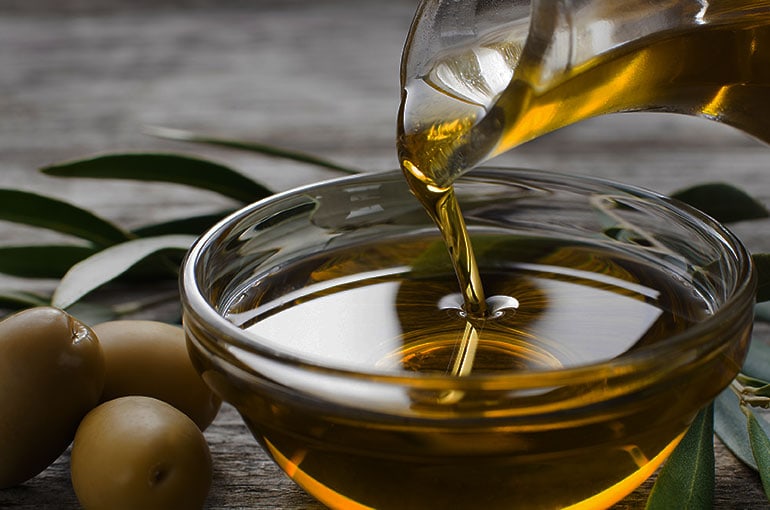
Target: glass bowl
(328,316)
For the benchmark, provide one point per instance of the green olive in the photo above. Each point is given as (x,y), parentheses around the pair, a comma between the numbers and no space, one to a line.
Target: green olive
(150,358)
(51,375)
(139,452)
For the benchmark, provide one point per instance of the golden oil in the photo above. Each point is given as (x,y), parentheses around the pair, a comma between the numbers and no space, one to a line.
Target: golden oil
(392,307)
(719,71)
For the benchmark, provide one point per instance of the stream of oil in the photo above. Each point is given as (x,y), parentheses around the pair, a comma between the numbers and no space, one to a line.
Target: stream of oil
(450,120)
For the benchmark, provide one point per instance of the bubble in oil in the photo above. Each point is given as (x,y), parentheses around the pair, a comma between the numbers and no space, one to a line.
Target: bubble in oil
(497,306)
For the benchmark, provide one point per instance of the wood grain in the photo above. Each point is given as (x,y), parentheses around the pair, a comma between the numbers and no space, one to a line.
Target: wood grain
(86,77)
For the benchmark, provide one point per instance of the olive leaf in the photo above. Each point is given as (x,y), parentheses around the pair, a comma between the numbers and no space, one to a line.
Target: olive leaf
(92,313)
(760,447)
(40,211)
(18,299)
(762,312)
(193,225)
(757,362)
(722,202)
(106,265)
(686,481)
(173,168)
(730,426)
(41,261)
(268,150)
(762,265)
(731,413)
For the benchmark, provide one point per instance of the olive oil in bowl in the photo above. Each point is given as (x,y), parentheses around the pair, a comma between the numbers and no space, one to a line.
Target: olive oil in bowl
(330,317)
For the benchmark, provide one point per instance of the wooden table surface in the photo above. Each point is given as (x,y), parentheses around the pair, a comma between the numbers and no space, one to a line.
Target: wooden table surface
(83,77)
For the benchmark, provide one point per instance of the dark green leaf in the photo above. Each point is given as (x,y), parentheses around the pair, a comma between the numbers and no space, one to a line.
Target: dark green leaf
(686,481)
(762,312)
(19,299)
(194,225)
(171,168)
(723,202)
(762,265)
(760,447)
(730,426)
(757,362)
(92,313)
(268,150)
(53,261)
(45,212)
(41,261)
(110,263)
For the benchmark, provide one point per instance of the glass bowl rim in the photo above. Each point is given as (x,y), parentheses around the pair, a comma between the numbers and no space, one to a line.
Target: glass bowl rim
(197,309)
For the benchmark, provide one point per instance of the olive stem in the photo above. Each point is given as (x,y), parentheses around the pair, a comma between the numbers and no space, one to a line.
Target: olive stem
(752,392)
